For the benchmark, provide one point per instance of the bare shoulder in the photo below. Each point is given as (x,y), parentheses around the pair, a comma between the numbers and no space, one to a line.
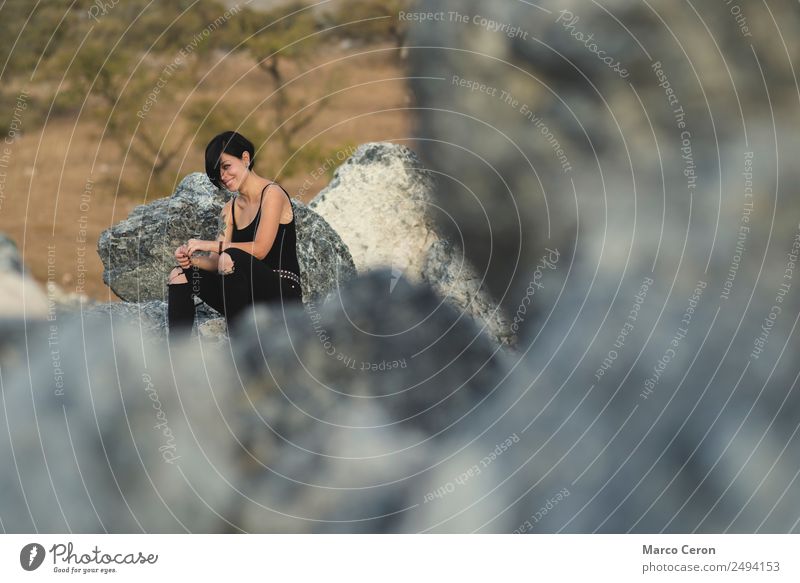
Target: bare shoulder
(280,198)
(274,189)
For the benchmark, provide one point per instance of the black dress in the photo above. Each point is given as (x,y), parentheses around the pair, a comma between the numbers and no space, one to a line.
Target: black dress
(275,278)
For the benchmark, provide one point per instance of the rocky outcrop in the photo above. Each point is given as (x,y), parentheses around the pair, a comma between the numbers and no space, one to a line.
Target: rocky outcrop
(319,418)
(151,317)
(22,295)
(380,201)
(137,253)
(662,177)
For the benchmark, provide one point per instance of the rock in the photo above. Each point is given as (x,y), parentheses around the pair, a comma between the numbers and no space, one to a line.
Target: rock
(642,396)
(151,317)
(274,434)
(22,295)
(213,328)
(10,261)
(137,253)
(378,200)
(381,202)
(122,418)
(448,272)
(325,261)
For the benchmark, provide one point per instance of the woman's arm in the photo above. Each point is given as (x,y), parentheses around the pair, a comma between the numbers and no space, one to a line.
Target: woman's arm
(211,261)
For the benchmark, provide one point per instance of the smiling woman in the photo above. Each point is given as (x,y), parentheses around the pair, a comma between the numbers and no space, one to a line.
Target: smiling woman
(244,266)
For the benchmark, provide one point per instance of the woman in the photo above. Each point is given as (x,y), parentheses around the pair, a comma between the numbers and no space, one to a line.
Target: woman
(253,259)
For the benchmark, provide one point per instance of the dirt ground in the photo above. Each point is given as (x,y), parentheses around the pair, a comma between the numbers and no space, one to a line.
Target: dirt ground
(58,181)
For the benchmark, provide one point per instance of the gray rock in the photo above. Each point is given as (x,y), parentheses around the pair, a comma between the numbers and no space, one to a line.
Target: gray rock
(151,317)
(112,430)
(137,253)
(22,295)
(10,261)
(381,202)
(448,272)
(670,420)
(270,432)
(325,261)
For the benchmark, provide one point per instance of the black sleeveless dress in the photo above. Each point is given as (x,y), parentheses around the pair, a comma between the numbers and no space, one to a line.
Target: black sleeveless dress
(283,254)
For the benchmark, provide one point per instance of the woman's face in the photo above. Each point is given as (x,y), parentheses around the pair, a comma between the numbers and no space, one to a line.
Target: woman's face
(233,170)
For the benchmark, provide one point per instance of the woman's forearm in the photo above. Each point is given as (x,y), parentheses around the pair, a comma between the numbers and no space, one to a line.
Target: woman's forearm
(248,247)
(207,262)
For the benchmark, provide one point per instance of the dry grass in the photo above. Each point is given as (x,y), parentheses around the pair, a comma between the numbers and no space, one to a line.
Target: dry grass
(49,166)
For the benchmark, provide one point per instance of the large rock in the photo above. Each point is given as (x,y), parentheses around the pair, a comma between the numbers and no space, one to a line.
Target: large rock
(137,253)
(380,201)
(653,390)
(316,418)
(151,317)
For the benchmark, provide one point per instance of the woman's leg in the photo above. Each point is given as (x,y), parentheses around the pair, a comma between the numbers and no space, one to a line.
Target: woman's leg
(183,284)
(180,306)
(248,281)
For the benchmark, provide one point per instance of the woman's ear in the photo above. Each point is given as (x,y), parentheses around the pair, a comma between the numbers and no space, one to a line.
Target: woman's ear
(246,159)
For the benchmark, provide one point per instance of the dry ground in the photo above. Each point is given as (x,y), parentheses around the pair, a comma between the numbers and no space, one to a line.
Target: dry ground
(45,204)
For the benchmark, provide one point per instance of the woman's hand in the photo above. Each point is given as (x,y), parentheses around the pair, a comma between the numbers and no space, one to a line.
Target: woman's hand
(183,257)
(195,245)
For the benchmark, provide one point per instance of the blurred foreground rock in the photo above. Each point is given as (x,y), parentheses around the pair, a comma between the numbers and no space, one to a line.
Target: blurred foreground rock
(656,388)
(317,419)
(21,294)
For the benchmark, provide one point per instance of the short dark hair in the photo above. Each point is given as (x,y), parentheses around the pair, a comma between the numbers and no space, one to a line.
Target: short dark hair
(230,142)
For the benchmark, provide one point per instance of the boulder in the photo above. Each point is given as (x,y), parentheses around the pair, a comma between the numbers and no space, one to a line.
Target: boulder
(317,418)
(22,295)
(151,317)
(137,253)
(652,391)
(381,202)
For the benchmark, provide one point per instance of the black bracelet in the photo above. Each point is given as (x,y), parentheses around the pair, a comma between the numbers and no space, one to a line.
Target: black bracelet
(220,248)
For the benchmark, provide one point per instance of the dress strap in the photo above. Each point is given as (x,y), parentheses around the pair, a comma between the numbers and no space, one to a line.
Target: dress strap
(283,189)
(257,220)
(233,216)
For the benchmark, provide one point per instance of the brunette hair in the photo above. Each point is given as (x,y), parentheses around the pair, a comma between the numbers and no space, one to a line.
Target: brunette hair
(230,142)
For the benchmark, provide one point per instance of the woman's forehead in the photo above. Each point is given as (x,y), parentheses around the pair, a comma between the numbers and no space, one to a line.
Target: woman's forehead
(225,157)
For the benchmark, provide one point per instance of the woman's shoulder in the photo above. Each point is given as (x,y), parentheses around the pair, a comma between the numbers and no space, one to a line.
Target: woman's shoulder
(274,186)
(275,192)
(279,197)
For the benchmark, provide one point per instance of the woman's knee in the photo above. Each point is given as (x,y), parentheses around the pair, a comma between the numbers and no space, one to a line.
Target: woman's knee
(226,263)
(177,276)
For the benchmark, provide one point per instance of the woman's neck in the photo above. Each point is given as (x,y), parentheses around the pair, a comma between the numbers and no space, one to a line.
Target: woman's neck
(252,186)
